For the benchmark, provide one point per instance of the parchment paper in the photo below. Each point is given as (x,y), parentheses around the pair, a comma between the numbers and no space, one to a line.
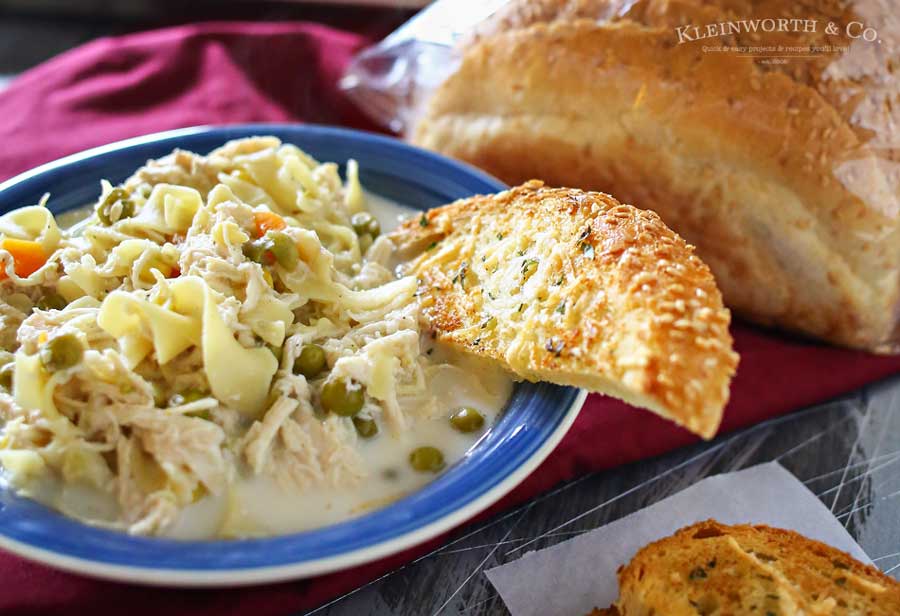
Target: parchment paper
(574,576)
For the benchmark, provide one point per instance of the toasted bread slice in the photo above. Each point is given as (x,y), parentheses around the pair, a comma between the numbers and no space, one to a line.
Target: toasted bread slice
(575,288)
(712,568)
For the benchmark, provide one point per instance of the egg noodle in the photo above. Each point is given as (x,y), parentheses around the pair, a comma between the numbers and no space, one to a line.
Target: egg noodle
(214,316)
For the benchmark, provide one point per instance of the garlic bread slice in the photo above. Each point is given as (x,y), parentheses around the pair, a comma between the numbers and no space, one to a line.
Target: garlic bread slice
(715,568)
(575,288)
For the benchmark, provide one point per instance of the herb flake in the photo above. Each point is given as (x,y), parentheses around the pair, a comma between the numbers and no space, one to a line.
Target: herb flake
(461,275)
(555,346)
(529,267)
(697,574)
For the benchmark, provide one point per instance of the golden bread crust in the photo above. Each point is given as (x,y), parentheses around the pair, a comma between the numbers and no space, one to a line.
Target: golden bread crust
(795,209)
(576,288)
(711,568)
(842,84)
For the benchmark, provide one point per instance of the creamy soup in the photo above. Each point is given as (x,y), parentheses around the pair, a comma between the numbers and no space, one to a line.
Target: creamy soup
(220,348)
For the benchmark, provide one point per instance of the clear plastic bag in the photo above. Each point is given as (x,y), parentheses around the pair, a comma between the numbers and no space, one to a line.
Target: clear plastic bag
(392,79)
(765,132)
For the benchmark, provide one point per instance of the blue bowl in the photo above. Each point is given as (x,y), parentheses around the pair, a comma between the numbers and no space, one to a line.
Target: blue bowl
(536,417)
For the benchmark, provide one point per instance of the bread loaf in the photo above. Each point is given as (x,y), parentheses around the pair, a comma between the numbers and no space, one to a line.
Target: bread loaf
(711,568)
(575,288)
(786,176)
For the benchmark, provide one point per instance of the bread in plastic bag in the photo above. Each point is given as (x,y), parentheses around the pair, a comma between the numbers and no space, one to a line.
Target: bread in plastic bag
(765,132)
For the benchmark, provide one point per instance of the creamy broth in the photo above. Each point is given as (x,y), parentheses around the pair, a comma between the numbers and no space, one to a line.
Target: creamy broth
(70,218)
(255,505)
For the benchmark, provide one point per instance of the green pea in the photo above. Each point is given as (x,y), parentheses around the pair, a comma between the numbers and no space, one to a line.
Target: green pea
(529,267)
(176,400)
(255,250)
(426,459)
(51,301)
(283,248)
(159,395)
(61,352)
(311,361)
(342,397)
(366,428)
(186,397)
(319,412)
(365,224)
(6,376)
(467,419)
(105,208)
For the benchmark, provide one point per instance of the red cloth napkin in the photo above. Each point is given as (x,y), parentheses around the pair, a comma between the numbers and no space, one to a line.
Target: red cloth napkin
(227,73)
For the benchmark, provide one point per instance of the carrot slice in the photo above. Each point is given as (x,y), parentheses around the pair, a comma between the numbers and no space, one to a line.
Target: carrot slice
(267,221)
(28,256)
